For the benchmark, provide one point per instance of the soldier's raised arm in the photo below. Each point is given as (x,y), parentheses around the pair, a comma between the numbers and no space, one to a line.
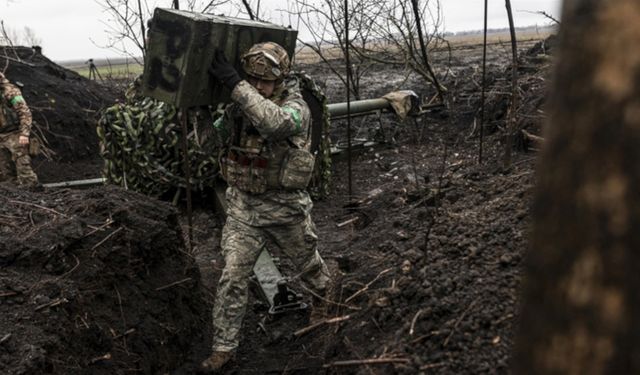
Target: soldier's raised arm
(270,119)
(273,118)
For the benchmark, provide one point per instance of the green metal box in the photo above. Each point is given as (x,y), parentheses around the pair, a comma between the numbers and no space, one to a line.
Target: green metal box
(180,50)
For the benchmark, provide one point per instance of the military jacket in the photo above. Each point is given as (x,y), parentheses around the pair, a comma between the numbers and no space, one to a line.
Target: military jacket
(282,122)
(14,112)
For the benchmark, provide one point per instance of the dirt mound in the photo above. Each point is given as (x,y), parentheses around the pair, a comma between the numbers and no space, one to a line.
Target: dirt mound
(64,104)
(534,71)
(97,282)
(429,271)
(435,271)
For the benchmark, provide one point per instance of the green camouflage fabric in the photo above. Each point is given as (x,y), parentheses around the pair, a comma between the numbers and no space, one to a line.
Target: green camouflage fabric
(241,246)
(278,216)
(15,162)
(11,100)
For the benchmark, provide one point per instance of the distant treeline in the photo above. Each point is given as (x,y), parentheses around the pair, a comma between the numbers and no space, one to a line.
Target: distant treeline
(503,30)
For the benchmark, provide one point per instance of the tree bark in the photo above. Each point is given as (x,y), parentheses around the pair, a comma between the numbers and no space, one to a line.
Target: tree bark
(581,294)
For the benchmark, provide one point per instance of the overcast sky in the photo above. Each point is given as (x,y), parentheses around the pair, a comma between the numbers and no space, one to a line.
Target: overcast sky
(75,29)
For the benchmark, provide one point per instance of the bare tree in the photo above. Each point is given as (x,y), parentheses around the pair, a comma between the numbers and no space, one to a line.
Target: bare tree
(127,20)
(30,38)
(325,22)
(7,40)
(10,36)
(400,28)
(123,26)
(513,105)
(7,35)
(398,32)
(248,8)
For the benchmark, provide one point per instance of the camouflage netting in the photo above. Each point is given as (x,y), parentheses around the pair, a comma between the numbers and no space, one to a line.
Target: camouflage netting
(142,148)
(141,145)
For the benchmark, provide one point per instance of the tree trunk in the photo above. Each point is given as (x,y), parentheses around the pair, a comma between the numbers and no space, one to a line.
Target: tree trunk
(513,105)
(581,299)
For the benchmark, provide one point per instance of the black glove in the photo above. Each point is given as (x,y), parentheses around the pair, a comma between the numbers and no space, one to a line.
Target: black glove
(223,71)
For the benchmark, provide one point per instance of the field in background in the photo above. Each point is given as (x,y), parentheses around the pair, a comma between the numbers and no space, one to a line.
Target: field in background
(117,68)
(306,56)
(120,68)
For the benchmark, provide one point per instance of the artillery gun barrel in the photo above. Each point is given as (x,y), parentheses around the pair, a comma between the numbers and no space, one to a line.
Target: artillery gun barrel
(77,183)
(358,107)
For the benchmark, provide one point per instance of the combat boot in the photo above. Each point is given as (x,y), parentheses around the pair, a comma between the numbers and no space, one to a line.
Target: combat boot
(215,362)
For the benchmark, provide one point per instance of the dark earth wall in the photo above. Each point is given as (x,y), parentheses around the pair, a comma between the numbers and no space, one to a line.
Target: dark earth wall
(96,282)
(65,105)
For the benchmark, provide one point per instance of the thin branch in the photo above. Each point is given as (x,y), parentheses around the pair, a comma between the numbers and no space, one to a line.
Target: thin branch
(545,14)
(370,361)
(247,6)
(310,328)
(366,287)
(350,307)
(173,284)
(105,239)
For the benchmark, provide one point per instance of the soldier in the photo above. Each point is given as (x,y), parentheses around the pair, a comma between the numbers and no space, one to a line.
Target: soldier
(15,128)
(267,166)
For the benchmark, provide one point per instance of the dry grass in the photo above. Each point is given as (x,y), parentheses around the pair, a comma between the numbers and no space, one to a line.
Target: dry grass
(306,55)
(113,71)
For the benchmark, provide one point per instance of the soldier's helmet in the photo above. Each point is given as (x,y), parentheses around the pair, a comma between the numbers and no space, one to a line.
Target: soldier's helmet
(267,61)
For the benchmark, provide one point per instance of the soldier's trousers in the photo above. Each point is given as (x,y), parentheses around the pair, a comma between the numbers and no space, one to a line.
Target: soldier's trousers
(241,246)
(15,162)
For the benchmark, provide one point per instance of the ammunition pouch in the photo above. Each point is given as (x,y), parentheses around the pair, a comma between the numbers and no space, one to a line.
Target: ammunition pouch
(296,169)
(254,165)
(251,143)
(9,121)
(250,172)
(247,172)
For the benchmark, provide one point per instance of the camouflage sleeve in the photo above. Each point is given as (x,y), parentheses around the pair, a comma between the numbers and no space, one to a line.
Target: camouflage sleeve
(271,120)
(13,96)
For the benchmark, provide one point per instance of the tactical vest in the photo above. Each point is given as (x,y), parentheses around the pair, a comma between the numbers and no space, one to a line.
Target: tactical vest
(9,121)
(255,165)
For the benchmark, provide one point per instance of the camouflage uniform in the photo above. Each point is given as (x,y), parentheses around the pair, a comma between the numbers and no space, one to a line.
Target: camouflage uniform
(15,121)
(272,213)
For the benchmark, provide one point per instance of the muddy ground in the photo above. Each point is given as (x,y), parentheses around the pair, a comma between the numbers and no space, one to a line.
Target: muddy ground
(427,274)
(425,254)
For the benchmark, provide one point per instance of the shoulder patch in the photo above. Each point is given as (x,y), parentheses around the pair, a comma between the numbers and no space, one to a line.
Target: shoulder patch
(16,99)
(297,119)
